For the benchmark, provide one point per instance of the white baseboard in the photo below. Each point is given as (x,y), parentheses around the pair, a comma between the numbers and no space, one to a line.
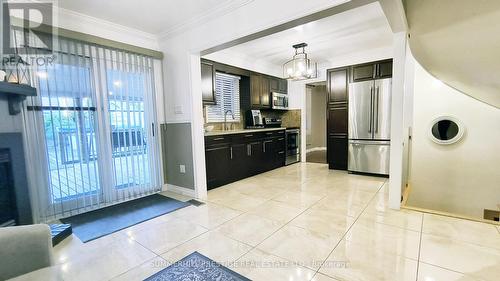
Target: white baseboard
(315,149)
(180,190)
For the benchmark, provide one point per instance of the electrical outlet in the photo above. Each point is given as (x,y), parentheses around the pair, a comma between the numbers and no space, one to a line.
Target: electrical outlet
(182,169)
(178,109)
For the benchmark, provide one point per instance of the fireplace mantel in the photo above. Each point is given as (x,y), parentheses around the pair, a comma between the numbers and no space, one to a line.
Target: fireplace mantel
(16,93)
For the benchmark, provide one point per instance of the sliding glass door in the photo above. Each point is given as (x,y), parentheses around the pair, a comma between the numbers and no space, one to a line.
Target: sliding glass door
(92,129)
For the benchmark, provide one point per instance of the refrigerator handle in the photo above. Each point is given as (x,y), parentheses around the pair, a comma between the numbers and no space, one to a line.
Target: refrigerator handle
(371,111)
(376,108)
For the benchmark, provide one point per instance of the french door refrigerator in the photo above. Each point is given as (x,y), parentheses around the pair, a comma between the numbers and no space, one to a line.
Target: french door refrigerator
(369,126)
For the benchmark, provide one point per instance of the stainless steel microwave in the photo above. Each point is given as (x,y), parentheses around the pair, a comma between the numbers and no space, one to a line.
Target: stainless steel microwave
(280,101)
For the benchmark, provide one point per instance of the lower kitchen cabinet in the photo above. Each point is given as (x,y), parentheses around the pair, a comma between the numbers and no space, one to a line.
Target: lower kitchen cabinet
(218,158)
(337,152)
(242,156)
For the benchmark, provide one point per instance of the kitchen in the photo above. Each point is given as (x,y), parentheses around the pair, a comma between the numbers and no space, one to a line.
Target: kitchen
(264,127)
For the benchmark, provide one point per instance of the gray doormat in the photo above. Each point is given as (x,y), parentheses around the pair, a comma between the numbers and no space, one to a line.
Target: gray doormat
(98,223)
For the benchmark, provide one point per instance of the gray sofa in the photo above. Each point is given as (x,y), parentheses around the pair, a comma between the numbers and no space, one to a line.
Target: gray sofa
(25,250)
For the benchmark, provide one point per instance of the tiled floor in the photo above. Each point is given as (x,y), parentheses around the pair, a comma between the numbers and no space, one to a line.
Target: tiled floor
(301,222)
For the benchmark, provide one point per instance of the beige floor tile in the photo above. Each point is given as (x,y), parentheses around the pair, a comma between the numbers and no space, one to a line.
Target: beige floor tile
(298,199)
(259,265)
(250,229)
(340,206)
(324,221)
(427,272)
(176,196)
(464,230)
(403,218)
(106,261)
(391,239)
(209,215)
(322,277)
(351,261)
(213,245)
(300,245)
(467,258)
(143,271)
(276,211)
(165,236)
(236,200)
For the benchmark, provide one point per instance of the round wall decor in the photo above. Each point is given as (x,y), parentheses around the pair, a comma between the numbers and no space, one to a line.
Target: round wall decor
(446,130)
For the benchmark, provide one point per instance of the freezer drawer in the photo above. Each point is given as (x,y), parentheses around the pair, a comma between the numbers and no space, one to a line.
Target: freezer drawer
(369,157)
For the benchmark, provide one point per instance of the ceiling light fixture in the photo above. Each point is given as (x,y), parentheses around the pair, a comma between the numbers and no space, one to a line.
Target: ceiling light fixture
(300,67)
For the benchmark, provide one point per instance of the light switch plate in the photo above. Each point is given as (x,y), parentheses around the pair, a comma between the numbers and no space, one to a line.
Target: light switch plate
(182,169)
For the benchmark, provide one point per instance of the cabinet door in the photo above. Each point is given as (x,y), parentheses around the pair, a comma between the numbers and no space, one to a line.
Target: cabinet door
(256,160)
(239,161)
(337,120)
(337,85)
(255,89)
(265,94)
(274,84)
(363,72)
(283,86)
(384,69)
(208,83)
(337,152)
(217,161)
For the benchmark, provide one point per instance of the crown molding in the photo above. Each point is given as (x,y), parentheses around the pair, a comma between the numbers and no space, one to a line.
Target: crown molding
(217,11)
(110,26)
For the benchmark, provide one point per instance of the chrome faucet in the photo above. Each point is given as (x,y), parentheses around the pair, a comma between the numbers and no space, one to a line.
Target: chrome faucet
(225,118)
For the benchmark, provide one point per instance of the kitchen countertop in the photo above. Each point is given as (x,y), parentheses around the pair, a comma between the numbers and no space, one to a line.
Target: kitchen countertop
(241,131)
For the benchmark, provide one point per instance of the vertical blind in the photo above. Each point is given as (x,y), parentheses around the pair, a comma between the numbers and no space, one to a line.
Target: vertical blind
(227,97)
(90,131)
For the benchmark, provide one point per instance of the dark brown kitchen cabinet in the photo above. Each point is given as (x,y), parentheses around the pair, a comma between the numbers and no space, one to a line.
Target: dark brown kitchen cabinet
(372,70)
(337,117)
(278,85)
(217,157)
(384,69)
(337,82)
(260,92)
(337,152)
(363,72)
(208,83)
(337,120)
(233,157)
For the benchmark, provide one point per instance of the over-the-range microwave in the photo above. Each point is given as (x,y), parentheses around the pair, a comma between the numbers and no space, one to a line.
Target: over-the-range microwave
(280,101)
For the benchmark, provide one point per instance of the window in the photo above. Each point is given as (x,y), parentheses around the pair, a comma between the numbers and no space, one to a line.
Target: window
(227,97)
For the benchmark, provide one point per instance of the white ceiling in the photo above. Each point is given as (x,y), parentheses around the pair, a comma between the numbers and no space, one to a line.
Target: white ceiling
(364,28)
(166,16)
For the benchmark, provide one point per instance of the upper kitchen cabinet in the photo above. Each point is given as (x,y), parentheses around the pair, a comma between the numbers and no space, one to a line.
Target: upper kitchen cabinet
(373,70)
(384,69)
(337,80)
(278,85)
(208,82)
(260,92)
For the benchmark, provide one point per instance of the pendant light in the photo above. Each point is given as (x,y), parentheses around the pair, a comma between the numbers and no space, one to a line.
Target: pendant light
(300,67)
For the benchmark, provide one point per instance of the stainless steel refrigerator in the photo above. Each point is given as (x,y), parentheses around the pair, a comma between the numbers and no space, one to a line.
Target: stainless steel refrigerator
(370,126)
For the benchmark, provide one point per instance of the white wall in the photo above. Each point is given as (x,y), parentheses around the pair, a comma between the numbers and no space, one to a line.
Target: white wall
(462,178)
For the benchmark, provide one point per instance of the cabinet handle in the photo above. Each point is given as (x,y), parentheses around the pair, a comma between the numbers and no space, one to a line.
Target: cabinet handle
(249,152)
(281,152)
(213,149)
(280,139)
(231,152)
(269,134)
(216,139)
(248,136)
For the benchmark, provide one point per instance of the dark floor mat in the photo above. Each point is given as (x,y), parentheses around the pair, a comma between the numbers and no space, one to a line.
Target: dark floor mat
(195,202)
(98,223)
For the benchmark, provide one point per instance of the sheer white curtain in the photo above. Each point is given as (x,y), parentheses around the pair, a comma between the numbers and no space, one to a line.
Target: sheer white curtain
(91,132)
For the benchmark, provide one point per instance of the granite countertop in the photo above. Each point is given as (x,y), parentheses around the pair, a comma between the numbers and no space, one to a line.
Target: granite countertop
(241,131)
